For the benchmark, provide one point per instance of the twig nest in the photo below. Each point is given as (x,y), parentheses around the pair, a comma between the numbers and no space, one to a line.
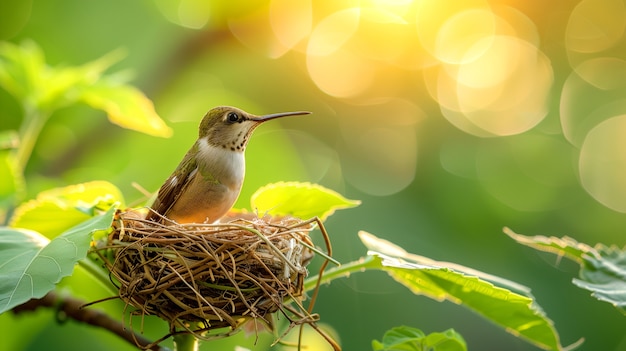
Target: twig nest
(219,275)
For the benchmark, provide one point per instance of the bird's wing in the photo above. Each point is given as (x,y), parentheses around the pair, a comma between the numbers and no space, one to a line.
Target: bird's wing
(174,186)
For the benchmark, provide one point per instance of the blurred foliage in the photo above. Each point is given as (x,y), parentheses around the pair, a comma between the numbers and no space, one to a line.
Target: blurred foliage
(406,338)
(448,121)
(602,268)
(41,90)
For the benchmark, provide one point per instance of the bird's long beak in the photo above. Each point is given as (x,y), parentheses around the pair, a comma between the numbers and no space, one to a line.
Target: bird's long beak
(278,115)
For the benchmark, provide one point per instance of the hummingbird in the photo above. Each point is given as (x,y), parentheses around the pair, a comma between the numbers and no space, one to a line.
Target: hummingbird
(207,182)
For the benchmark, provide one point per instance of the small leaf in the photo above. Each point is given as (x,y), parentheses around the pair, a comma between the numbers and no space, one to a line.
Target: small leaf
(400,338)
(301,200)
(448,340)
(31,265)
(56,210)
(24,74)
(410,339)
(602,268)
(126,106)
(20,69)
(517,313)
(64,85)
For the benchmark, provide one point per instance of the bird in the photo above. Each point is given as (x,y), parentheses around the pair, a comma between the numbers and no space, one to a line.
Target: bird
(208,180)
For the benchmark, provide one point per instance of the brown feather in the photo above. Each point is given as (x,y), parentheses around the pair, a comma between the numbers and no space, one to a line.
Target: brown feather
(168,193)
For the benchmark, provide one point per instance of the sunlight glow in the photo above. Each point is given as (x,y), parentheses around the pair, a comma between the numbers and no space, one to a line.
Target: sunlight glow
(438,26)
(461,39)
(291,21)
(333,31)
(481,62)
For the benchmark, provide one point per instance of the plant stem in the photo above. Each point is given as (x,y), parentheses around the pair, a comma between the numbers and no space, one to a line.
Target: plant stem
(73,308)
(33,123)
(364,263)
(185,342)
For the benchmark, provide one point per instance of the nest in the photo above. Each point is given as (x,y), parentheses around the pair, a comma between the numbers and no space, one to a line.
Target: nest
(202,277)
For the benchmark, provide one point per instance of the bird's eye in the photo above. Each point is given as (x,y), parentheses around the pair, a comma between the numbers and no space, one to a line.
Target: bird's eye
(232,117)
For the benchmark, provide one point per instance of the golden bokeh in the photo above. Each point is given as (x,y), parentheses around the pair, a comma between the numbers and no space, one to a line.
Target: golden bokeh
(291,21)
(483,64)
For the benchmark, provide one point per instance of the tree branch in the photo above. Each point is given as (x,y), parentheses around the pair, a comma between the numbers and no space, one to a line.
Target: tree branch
(73,308)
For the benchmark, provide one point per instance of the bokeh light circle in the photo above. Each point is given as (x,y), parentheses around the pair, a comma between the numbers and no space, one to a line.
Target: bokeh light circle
(504,91)
(358,52)
(333,31)
(380,155)
(291,21)
(604,73)
(461,38)
(602,163)
(593,93)
(382,160)
(335,69)
(526,172)
(193,14)
(443,30)
(341,74)
(595,25)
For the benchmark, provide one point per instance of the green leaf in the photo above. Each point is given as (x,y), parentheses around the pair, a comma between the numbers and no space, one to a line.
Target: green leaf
(410,339)
(21,68)
(64,85)
(31,265)
(448,340)
(126,106)
(56,210)
(301,200)
(602,268)
(516,312)
(24,74)
(400,338)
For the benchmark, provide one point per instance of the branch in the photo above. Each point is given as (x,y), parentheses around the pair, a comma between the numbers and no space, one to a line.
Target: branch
(73,308)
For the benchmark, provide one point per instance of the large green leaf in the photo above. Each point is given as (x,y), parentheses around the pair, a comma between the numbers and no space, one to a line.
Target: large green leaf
(31,265)
(487,295)
(301,200)
(410,339)
(56,210)
(602,268)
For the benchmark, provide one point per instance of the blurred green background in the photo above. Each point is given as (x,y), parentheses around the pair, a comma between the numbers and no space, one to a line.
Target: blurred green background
(448,119)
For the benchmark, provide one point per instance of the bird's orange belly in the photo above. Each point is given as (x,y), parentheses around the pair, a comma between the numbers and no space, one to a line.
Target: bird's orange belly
(203,206)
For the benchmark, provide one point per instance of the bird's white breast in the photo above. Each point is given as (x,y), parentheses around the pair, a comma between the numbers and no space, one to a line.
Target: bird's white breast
(223,164)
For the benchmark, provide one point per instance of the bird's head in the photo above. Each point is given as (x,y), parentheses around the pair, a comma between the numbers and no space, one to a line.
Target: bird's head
(230,128)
